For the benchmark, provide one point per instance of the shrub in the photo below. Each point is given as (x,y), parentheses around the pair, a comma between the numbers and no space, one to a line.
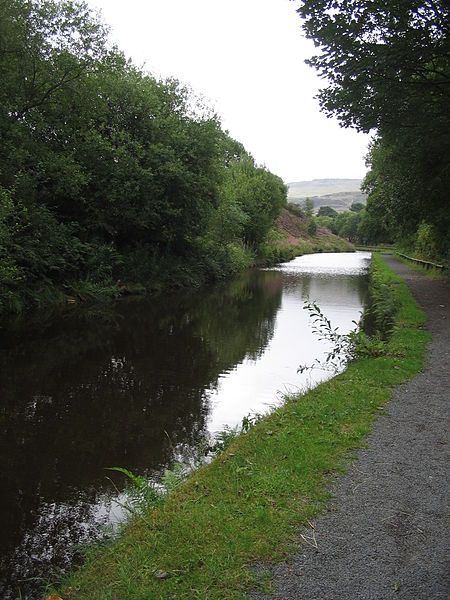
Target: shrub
(426,245)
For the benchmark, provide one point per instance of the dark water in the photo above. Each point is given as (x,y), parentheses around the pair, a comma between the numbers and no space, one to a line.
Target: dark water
(136,385)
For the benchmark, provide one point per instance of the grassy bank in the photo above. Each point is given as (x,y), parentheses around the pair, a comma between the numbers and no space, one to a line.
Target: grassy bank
(248,504)
(281,250)
(167,274)
(380,248)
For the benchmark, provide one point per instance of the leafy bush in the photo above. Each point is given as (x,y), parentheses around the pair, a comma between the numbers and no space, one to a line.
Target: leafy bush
(312,227)
(108,173)
(426,245)
(369,338)
(379,316)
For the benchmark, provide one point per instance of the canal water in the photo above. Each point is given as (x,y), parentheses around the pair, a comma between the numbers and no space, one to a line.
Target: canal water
(139,384)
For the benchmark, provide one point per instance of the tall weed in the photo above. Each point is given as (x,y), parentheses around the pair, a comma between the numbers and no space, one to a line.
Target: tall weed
(382,308)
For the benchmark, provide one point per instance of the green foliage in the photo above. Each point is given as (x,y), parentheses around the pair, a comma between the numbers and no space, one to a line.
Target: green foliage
(143,493)
(326,211)
(342,345)
(381,59)
(140,493)
(327,222)
(86,290)
(387,66)
(427,245)
(345,347)
(370,340)
(383,303)
(256,196)
(308,208)
(295,209)
(407,184)
(9,272)
(224,439)
(107,173)
(357,206)
(346,224)
(312,227)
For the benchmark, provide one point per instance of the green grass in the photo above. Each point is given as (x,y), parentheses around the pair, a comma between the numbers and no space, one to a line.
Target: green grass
(380,248)
(248,504)
(275,251)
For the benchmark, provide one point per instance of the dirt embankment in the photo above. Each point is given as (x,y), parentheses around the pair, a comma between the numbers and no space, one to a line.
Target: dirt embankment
(294,231)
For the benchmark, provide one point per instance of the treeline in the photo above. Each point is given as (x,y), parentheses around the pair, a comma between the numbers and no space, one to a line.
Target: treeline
(109,176)
(388,68)
(352,225)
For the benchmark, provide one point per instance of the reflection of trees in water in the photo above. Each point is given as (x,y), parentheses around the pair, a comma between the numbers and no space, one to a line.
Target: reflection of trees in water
(84,394)
(238,320)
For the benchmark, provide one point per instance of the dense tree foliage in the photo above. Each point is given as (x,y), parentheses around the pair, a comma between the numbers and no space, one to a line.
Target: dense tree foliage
(326,211)
(107,173)
(362,226)
(388,71)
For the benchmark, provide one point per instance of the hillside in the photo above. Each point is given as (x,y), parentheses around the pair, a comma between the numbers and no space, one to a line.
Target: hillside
(337,193)
(293,233)
(322,187)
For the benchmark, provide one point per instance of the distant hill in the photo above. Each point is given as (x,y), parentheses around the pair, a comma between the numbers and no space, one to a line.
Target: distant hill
(337,193)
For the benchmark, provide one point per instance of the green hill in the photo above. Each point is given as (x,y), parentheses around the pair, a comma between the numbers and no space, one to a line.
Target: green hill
(337,193)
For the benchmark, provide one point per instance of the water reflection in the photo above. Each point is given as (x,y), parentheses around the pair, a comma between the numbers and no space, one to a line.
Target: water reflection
(89,391)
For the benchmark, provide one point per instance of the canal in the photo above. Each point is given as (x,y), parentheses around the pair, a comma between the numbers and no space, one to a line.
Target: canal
(140,384)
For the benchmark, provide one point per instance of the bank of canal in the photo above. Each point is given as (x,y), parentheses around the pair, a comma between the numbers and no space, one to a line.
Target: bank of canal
(140,385)
(246,506)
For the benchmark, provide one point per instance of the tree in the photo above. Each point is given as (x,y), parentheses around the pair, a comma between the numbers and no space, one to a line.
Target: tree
(388,70)
(308,208)
(326,211)
(357,206)
(407,184)
(327,222)
(347,223)
(107,172)
(46,47)
(381,59)
(259,194)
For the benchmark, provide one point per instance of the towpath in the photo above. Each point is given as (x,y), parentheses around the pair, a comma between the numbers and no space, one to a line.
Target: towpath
(386,533)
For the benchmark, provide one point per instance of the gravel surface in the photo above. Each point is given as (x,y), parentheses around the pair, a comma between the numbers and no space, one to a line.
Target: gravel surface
(385,534)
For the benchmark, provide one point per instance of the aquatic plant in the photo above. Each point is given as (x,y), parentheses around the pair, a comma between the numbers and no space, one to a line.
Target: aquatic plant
(345,347)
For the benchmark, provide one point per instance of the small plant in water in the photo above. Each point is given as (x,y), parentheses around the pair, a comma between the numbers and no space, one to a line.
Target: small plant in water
(345,347)
(143,493)
(224,438)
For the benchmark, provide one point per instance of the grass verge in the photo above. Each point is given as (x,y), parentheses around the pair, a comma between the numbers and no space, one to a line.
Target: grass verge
(432,273)
(248,504)
(278,250)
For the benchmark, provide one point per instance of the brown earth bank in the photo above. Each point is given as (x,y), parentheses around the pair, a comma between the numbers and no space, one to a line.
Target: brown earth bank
(294,231)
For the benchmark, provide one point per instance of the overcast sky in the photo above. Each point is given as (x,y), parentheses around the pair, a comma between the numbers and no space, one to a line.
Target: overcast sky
(246,57)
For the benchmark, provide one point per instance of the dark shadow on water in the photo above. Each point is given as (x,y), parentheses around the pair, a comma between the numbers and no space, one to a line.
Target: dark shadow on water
(89,391)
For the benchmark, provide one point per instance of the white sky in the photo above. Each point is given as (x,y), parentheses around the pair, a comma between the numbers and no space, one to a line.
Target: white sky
(246,57)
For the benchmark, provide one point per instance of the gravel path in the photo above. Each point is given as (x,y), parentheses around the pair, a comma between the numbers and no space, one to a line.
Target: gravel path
(385,534)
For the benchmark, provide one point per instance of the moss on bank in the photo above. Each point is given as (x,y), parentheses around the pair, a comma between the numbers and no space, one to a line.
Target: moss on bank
(247,505)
